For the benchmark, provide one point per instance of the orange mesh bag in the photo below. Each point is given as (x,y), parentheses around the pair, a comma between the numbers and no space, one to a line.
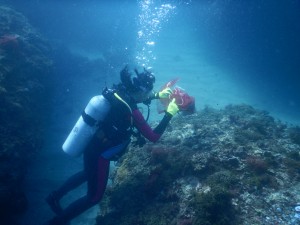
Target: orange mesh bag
(185,102)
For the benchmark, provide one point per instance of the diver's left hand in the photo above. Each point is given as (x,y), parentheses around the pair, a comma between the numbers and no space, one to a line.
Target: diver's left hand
(165,93)
(172,107)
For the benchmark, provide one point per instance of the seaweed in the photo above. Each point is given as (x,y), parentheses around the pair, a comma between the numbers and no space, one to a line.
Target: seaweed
(214,207)
(225,178)
(25,66)
(257,182)
(150,215)
(257,165)
(223,161)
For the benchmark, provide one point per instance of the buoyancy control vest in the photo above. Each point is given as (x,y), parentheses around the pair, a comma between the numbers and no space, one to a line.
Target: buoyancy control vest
(118,124)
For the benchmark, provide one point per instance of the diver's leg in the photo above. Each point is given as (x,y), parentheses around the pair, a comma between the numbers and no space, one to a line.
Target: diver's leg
(73,210)
(54,197)
(97,181)
(71,183)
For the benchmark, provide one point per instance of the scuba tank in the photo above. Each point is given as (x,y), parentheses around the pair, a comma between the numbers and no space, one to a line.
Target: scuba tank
(86,126)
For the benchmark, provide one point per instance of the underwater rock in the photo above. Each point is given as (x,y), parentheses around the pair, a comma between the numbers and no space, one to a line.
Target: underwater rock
(213,174)
(25,68)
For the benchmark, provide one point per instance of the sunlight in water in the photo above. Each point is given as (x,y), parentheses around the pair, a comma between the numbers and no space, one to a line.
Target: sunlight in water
(152,16)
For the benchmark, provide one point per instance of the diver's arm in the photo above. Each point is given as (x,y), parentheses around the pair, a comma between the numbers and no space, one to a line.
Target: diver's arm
(141,124)
(165,93)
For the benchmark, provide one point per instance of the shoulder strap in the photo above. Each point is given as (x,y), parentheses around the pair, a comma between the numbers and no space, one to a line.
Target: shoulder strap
(125,103)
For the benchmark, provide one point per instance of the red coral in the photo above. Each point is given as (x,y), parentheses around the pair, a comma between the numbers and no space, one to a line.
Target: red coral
(185,222)
(159,154)
(10,42)
(256,164)
(152,184)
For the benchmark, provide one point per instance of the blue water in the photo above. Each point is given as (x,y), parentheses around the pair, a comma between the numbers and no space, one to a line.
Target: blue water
(223,51)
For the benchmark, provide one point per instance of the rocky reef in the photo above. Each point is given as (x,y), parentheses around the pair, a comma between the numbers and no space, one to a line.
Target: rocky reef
(237,165)
(25,67)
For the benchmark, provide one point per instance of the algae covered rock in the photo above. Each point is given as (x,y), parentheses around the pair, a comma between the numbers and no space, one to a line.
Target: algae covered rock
(25,67)
(213,174)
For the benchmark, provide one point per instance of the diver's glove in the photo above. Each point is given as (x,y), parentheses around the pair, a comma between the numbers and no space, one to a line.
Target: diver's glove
(164,93)
(172,107)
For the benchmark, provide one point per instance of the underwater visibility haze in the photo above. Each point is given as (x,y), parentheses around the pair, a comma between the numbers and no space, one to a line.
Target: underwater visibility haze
(238,59)
(249,49)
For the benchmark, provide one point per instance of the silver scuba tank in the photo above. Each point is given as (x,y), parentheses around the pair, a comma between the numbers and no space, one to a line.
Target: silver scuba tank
(86,125)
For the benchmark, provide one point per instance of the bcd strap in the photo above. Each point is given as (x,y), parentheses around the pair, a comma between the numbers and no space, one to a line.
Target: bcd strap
(88,119)
(126,104)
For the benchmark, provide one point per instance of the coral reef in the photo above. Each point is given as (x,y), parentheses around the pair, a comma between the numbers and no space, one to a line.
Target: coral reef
(231,166)
(25,67)
(294,134)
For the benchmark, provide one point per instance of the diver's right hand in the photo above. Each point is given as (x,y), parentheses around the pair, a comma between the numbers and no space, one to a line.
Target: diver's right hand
(166,93)
(173,107)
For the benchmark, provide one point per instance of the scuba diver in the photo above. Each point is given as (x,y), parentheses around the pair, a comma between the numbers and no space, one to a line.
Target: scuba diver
(119,116)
